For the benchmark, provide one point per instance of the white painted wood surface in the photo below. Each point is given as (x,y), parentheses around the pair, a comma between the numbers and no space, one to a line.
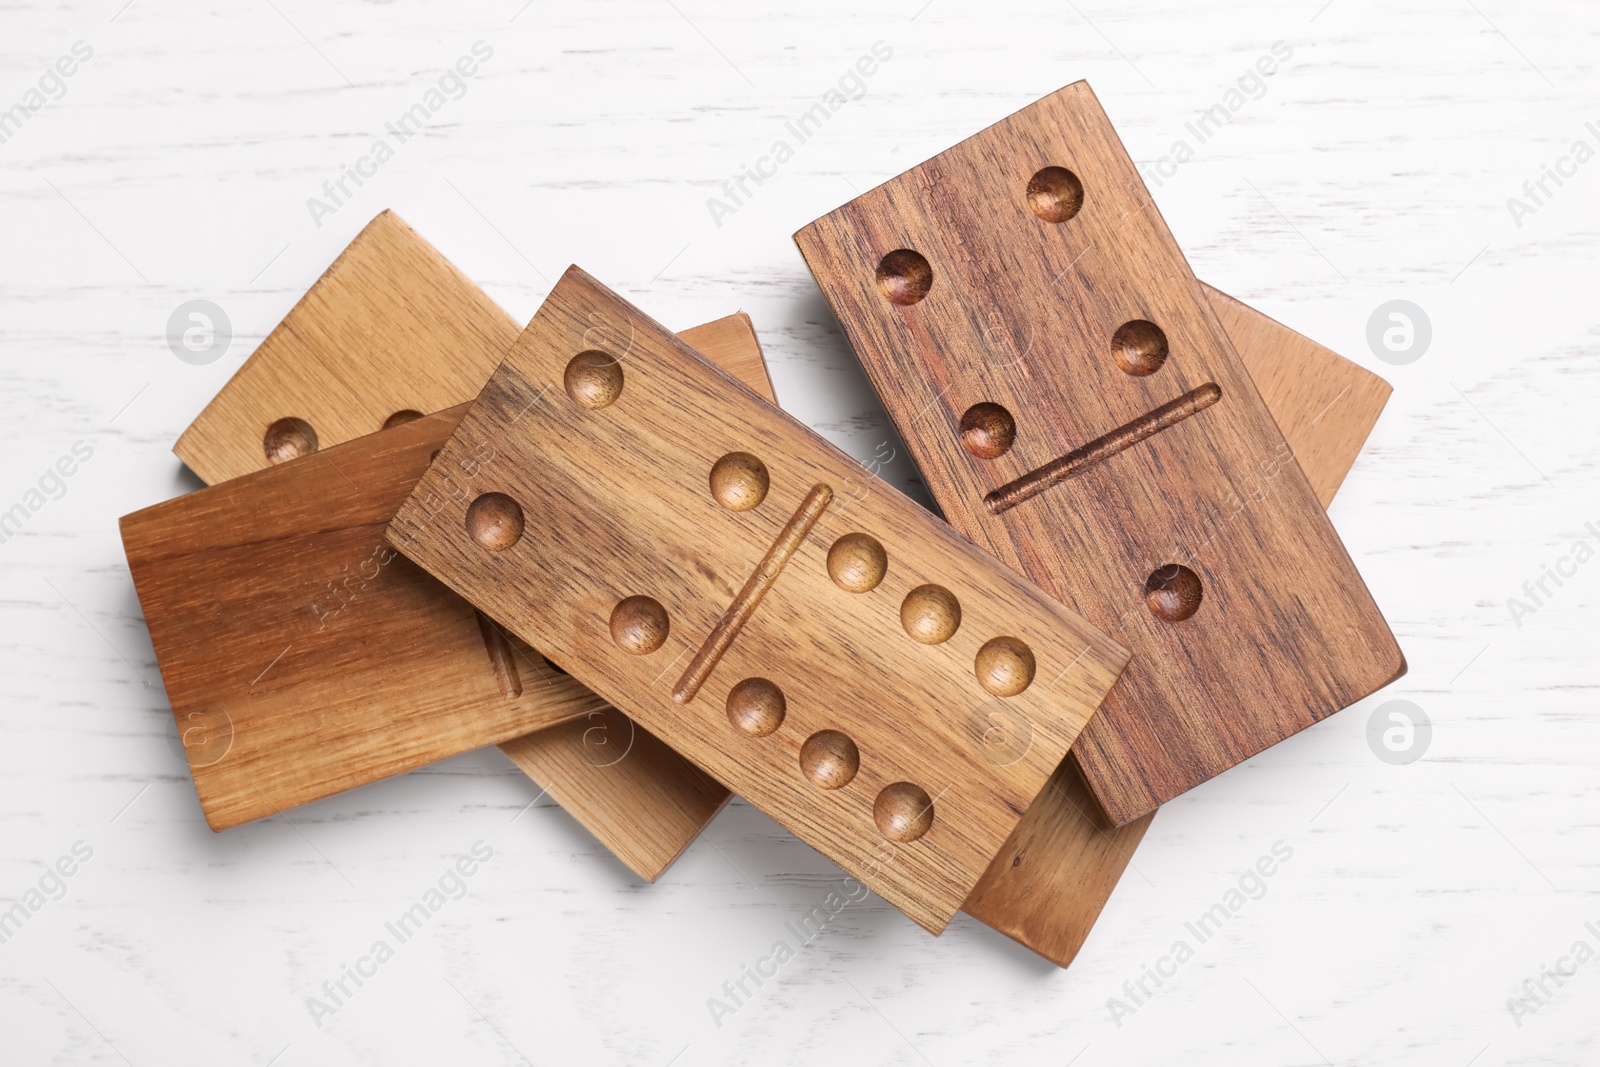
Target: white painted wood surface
(1376,165)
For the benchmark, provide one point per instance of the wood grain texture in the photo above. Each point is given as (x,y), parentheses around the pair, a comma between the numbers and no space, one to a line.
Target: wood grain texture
(637,796)
(391,313)
(192,145)
(301,655)
(390,301)
(391,326)
(624,785)
(1048,885)
(965,281)
(731,343)
(374,667)
(1051,881)
(1324,405)
(618,502)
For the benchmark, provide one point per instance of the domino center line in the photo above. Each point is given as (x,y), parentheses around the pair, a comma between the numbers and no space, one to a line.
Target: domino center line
(744,605)
(1101,448)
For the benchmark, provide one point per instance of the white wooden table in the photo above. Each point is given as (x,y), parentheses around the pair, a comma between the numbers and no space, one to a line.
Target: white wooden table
(177,162)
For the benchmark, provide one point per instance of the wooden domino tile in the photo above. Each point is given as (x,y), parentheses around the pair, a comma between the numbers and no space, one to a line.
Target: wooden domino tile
(302,656)
(1048,885)
(1076,407)
(336,367)
(1050,882)
(630,790)
(389,322)
(739,587)
(1324,405)
(391,330)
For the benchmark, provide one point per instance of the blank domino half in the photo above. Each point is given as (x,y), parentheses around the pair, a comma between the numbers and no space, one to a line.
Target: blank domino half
(1077,408)
(821,646)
